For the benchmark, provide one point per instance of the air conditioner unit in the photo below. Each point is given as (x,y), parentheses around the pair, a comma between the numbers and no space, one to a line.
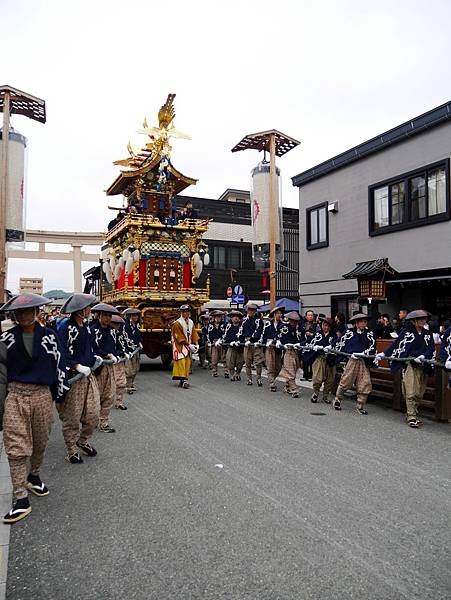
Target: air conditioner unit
(332,207)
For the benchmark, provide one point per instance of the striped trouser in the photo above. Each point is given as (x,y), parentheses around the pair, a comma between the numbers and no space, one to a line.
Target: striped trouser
(356,372)
(414,382)
(107,389)
(273,360)
(235,360)
(323,373)
(253,356)
(120,380)
(131,369)
(81,405)
(26,428)
(290,368)
(218,355)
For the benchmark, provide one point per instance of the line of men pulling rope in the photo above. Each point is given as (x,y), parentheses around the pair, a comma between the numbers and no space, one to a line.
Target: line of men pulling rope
(85,368)
(280,342)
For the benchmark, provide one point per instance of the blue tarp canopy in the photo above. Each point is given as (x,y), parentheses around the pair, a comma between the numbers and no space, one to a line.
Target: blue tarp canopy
(285,303)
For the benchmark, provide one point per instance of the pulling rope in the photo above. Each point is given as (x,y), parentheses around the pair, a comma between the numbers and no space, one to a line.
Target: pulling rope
(99,362)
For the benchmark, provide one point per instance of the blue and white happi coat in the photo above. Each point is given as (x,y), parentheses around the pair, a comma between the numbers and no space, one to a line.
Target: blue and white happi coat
(46,366)
(320,339)
(215,332)
(251,329)
(356,341)
(231,332)
(411,343)
(132,333)
(102,339)
(445,348)
(76,344)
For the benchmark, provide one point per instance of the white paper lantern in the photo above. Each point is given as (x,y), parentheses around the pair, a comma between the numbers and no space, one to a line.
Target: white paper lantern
(136,255)
(129,265)
(126,254)
(198,269)
(107,271)
(206,259)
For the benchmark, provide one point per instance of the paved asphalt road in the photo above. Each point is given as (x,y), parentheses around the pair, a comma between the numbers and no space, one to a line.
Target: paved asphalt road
(332,506)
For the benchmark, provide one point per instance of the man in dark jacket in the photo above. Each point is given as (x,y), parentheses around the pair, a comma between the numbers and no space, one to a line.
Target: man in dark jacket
(82,403)
(36,376)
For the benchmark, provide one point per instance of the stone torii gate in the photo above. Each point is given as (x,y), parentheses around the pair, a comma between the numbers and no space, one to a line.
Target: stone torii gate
(75,239)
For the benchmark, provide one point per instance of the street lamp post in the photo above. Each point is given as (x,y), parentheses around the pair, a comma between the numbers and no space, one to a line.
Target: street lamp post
(12,101)
(278,144)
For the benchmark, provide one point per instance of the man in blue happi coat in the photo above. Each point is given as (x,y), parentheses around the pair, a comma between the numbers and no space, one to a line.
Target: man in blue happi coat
(37,376)
(415,341)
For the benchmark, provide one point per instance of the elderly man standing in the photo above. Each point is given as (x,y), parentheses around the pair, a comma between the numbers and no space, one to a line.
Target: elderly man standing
(82,403)
(250,333)
(184,343)
(133,336)
(36,377)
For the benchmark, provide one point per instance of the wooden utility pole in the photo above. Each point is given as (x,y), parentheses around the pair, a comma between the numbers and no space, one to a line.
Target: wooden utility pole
(278,144)
(273,210)
(4,192)
(12,101)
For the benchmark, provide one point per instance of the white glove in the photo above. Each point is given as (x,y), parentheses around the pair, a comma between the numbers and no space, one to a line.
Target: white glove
(193,347)
(218,343)
(113,358)
(248,343)
(269,343)
(140,346)
(317,348)
(235,344)
(419,359)
(279,344)
(128,356)
(297,346)
(327,349)
(354,356)
(99,359)
(86,371)
(448,365)
(379,356)
(289,346)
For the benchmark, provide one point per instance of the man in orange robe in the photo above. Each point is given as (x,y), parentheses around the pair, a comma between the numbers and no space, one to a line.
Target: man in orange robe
(184,344)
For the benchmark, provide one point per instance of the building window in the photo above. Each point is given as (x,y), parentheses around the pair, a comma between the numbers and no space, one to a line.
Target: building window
(437,191)
(219,257)
(410,200)
(234,258)
(317,227)
(227,257)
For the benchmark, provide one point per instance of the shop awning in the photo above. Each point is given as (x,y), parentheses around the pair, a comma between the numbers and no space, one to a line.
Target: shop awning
(369,268)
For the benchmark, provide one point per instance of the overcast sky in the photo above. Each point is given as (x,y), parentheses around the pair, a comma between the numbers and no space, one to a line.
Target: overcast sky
(330,73)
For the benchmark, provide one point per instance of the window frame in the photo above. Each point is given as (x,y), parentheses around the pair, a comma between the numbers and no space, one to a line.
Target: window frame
(308,212)
(227,248)
(405,179)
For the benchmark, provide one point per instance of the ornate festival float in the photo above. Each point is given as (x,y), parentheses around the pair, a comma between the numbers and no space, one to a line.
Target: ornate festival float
(153,255)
